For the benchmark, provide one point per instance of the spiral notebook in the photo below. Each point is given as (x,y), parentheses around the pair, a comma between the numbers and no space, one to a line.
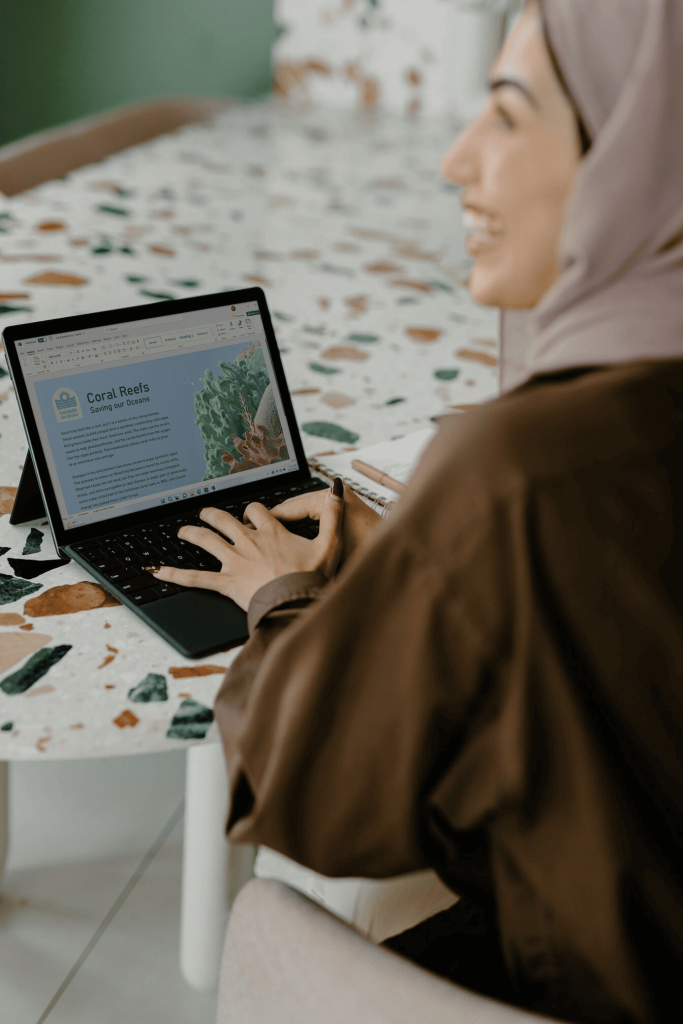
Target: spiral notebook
(397,458)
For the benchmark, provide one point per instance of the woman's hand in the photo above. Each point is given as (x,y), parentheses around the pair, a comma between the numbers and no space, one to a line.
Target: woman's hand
(359,523)
(254,554)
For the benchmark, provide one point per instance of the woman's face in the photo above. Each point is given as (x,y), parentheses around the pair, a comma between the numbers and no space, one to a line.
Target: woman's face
(516,162)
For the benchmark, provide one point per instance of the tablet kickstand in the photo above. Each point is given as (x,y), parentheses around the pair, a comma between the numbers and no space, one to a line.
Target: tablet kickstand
(28,504)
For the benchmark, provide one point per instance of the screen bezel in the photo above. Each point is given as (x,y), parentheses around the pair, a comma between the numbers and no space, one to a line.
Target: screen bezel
(102,318)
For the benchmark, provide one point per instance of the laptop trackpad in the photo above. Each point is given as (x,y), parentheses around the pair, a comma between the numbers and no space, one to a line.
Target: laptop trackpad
(198,622)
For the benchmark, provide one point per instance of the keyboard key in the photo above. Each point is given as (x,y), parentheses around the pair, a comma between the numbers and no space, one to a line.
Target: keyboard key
(163,590)
(182,558)
(137,583)
(119,575)
(142,596)
(132,559)
(104,564)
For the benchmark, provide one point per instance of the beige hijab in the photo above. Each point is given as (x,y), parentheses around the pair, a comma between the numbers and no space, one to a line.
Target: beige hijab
(620,291)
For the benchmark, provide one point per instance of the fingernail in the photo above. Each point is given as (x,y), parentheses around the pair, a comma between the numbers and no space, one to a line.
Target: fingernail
(338,487)
(151,569)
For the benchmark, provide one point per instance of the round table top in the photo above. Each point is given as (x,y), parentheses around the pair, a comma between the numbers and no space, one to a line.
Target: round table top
(358,245)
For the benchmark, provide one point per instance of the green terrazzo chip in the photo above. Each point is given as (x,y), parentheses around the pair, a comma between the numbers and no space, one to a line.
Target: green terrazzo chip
(191,721)
(330,430)
(446,374)
(319,368)
(15,309)
(156,295)
(12,589)
(6,727)
(395,401)
(283,316)
(33,542)
(364,337)
(152,688)
(34,669)
(187,284)
(3,373)
(117,210)
(135,278)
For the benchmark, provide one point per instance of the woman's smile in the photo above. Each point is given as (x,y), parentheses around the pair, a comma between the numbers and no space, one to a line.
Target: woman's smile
(483,230)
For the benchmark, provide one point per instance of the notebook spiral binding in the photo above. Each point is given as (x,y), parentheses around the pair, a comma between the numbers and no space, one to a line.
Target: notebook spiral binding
(370,497)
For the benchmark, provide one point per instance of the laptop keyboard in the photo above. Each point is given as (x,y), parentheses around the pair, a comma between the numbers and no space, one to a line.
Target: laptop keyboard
(122,557)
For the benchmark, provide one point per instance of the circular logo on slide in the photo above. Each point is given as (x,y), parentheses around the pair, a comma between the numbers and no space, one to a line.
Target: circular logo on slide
(66,404)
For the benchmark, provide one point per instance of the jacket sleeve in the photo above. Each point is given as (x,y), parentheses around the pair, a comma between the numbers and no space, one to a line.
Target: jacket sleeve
(335,725)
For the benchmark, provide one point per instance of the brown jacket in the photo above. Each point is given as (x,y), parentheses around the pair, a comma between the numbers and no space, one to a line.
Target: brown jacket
(493,688)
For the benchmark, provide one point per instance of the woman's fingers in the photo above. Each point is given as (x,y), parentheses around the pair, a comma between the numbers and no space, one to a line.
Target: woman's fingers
(189,577)
(221,520)
(330,540)
(303,506)
(257,515)
(207,540)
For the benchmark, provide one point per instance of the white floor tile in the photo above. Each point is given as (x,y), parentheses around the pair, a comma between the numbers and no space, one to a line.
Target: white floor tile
(47,917)
(50,915)
(132,974)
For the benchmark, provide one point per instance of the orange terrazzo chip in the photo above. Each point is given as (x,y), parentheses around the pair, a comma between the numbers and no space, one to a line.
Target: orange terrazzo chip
(257,279)
(126,720)
(382,267)
(52,225)
(358,303)
(69,598)
(7,496)
(11,619)
(338,400)
(418,286)
(477,357)
(344,352)
(423,333)
(52,277)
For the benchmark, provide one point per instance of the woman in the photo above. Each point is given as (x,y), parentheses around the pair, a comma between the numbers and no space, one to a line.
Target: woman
(490,685)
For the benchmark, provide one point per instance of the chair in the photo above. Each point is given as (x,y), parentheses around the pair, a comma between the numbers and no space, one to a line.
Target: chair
(287,960)
(57,151)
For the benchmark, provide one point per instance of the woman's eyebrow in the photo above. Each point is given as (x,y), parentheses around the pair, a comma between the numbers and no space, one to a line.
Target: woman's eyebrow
(500,83)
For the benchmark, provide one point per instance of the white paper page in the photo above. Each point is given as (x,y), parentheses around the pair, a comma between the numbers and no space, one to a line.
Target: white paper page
(398,458)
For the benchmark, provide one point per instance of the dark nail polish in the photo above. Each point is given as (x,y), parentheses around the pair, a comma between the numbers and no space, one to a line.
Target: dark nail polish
(338,487)
(151,568)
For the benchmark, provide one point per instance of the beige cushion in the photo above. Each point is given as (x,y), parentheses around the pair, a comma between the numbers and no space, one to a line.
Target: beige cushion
(289,961)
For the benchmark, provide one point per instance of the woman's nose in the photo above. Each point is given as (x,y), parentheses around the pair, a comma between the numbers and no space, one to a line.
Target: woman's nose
(458,164)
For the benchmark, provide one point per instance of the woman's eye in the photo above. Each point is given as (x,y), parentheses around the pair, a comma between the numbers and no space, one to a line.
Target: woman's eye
(504,118)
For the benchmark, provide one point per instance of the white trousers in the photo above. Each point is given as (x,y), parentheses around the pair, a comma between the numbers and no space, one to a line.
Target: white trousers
(375,908)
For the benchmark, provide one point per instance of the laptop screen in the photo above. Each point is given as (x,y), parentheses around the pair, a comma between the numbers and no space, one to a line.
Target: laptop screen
(145,413)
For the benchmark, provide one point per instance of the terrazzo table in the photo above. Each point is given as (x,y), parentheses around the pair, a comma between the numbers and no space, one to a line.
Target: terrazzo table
(346,224)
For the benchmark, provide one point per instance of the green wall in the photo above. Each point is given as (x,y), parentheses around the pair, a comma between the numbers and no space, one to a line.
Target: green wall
(62,59)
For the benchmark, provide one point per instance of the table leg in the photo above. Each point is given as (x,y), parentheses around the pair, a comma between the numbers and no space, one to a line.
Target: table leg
(213,870)
(4,813)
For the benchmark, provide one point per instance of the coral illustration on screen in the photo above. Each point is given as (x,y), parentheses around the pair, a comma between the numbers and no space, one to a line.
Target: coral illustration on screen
(238,419)
(259,447)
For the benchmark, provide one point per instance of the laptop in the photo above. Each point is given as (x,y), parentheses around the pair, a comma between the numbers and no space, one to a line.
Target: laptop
(136,419)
